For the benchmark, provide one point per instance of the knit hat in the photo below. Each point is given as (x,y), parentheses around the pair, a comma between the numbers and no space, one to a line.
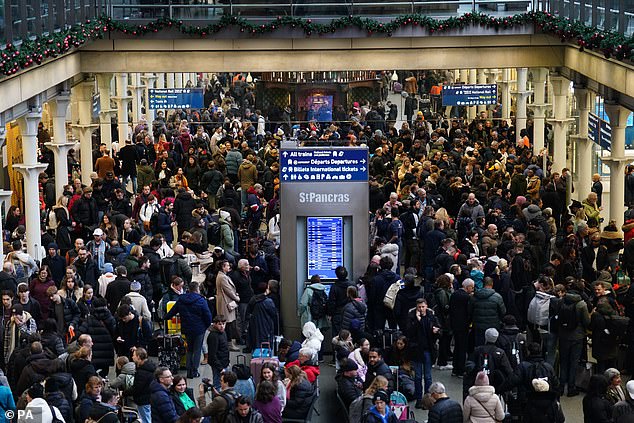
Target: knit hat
(51,245)
(531,212)
(107,268)
(225,215)
(482,379)
(36,391)
(135,286)
(520,199)
(611,373)
(540,385)
(491,335)
(381,395)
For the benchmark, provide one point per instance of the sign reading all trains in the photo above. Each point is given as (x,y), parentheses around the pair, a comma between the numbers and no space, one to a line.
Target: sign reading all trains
(324,165)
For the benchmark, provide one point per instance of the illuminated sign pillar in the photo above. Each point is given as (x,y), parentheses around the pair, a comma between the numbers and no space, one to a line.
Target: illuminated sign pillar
(324,220)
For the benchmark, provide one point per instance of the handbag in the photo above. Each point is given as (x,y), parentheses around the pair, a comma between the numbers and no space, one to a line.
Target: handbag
(232,305)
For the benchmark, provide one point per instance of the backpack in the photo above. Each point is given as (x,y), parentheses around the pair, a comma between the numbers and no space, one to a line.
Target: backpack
(55,418)
(318,304)
(230,397)
(390,296)
(241,369)
(20,271)
(567,315)
(539,309)
(214,233)
(51,220)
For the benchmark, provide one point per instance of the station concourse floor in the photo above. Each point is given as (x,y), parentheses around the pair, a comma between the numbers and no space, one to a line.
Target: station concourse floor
(330,412)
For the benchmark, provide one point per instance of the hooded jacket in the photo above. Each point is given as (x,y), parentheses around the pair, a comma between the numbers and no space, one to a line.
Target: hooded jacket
(247,174)
(163,410)
(583,319)
(194,312)
(482,404)
(304,306)
(313,336)
(100,325)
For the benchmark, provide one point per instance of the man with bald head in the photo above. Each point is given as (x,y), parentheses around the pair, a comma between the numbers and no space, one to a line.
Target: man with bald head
(183,269)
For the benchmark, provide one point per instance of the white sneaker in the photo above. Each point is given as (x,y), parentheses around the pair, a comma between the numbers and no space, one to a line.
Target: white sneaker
(448,367)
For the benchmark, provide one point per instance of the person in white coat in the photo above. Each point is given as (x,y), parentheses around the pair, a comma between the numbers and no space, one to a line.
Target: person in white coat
(314,338)
(482,405)
(138,301)
(37,409)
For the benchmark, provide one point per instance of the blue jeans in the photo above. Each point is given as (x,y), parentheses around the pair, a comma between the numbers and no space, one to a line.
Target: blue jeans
(419,368)
(569,355)
(145,413)
(124,182)
(194,348)
(216,377)
(549,341)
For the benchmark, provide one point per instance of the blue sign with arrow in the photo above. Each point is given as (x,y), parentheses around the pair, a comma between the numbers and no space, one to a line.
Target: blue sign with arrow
(324,165)
(599,131)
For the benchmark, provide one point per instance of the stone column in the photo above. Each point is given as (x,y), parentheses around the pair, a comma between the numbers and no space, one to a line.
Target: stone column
(560,121)
(149,80)
(584,144)
(178,80)
(123,99)
(84,127)
(539,108)
(136,88)
(104,83)
(60,145)
(505,87)
(482,79)
(471,110)
(521,95)
(618,121)
(171,80)
(30,170)
(160,80)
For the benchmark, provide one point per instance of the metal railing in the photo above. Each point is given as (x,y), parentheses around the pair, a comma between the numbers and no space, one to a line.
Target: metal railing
(21,19)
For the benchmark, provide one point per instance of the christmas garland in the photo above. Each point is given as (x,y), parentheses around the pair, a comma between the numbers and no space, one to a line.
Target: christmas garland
(36,50)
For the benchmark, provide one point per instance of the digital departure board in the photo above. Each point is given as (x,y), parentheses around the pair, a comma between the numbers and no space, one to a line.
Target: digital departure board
(176,98)
(324,246)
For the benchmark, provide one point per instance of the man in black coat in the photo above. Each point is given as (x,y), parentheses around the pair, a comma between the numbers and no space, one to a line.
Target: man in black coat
(129,157)
(338,298)
(117,289)
(241,278)
(460,322)
(151,251)
(85,213)
(183,207)
(8,282)
(86,268)
(63,310)
(377,367)
(218,348)
(348,383)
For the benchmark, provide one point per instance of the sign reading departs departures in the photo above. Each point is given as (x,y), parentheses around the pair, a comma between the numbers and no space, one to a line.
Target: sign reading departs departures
(469,95)
(324,165)
(175,98)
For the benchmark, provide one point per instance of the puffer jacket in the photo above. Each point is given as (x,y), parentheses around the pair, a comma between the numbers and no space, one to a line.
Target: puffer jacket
(163,410)
(194,312)
(299,401)
(482,405)
(248,175)
(233,161)
(100,325)
(487,309)
(56,399)
(313,336)
(143,378)
(583,319)
(391,251)
(354,311)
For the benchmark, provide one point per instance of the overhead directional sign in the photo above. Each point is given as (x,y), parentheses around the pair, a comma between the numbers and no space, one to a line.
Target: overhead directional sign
(325,165)
(176,98)
(469,95)
(324,246)
(599,131)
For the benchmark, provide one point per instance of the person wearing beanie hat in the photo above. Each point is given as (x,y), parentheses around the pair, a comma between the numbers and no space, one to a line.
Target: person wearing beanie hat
(348,382)
(227,241)
(493,360)
(482,403)
(380,412)
(491,336)
(139,302)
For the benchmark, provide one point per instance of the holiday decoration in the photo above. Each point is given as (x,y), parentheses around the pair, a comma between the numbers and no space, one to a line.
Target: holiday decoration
(38,49)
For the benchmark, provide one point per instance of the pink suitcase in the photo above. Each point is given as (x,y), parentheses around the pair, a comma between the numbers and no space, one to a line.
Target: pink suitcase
(257,363)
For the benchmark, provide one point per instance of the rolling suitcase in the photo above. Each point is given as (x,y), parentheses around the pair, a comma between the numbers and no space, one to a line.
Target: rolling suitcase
(398,402)
(171,345)
(264,355)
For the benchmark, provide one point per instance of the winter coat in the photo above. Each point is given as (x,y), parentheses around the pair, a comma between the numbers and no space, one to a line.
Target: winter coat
(85,211)
(459,303)
(163,410)
(233,159)
(247,174)
(379,369)
(347,388)
(125,380)
(57,399)
(313,336)
(623,411)
(373,416)
(70,311)
(596,410)
(487,309)
(421,336)
(543,407)
(38,410)
(178,404)
(299,400)
(605,346)
(583,319)
(145,175)
(218,349)
(482,405)
(82,370)
(354,313)
(473,211)
(405,301)
(38,292)
(194,312)
(380,284)
(143,378)
(131,335)
(445,410)
(183,207)
(225,294)
(358,359)
(116,290)
(100,325)
(304,307)
(139,302)
(263,320)
(243,285)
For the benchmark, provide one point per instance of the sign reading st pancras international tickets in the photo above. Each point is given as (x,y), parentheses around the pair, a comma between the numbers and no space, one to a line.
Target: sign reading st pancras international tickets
(324,165)
(469,95)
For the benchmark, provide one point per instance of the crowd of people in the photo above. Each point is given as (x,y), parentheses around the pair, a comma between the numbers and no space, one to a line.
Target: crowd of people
(482,265)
